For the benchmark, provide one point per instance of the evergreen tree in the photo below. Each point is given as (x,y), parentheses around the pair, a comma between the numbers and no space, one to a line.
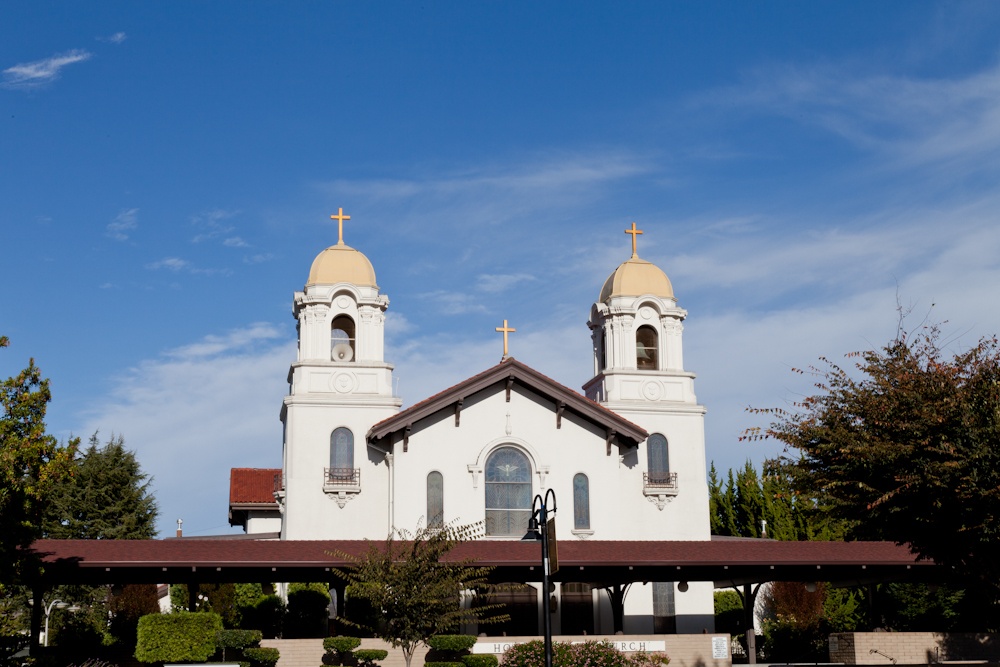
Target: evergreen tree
(108,497)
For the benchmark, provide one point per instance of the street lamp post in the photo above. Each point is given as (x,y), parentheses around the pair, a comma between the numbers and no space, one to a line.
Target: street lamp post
(55,604)
(538,523)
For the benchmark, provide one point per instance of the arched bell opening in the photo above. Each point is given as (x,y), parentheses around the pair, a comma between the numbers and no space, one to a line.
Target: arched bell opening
(342,339)
(647,348)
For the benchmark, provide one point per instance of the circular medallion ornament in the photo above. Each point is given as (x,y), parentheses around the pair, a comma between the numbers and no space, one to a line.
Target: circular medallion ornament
(647,313)
(344,382)
(652,391)
(344,301)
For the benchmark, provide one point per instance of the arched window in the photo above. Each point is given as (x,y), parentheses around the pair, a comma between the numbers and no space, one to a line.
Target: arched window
(658,458)
(342,338)
(341,457)
(435,500)
(581,502)
(508,492)
(646,349)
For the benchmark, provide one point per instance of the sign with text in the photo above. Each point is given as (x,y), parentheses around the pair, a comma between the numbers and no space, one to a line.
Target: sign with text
(623,645)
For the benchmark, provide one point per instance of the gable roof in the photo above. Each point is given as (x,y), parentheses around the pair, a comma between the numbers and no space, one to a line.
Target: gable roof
(511,371)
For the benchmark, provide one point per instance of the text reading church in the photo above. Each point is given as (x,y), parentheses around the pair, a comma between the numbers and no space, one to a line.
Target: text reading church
(626,458)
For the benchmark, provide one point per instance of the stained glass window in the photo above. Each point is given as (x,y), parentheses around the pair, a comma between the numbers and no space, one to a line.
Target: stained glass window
(342,450)
(659,460)
(581,502)
(435,500)
(508,492)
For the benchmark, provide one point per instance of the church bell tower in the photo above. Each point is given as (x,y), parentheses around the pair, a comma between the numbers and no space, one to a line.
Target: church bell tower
(339,386)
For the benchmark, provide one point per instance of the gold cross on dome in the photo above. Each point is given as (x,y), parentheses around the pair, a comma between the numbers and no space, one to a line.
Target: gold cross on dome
(340,217)
(506,330)
(634,232)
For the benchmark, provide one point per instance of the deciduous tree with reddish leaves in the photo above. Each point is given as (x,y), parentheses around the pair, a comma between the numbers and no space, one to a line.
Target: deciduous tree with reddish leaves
(905,446)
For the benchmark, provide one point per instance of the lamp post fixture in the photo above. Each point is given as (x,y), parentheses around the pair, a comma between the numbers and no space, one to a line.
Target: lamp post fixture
(538,529)
(55,604)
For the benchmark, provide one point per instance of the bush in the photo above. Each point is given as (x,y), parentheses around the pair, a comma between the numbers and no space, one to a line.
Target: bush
(595,654)
(266,657)
(480,660)
(439,663)
(178,637)
(455,643)
(236,639)
(265,615)
(307,613)
(341,644)
(369,657)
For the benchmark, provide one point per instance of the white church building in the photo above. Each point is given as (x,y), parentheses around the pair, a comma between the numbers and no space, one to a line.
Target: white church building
(625,458)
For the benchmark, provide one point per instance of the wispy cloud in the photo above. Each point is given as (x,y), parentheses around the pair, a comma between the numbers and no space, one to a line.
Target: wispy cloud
(259,258)
(455,303)
(234,341)
(116,38)
(501,282)
(171,263)
(215,401)
(123,223)
(211,224)
(910,121)
(178,265)
(235,242)
(41,72)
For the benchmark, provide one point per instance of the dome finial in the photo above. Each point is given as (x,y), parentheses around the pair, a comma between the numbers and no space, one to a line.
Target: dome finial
(634,232)
(340,217)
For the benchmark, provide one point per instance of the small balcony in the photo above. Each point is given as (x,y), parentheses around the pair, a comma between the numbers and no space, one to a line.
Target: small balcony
(660,482)
(342,483)
(659,487)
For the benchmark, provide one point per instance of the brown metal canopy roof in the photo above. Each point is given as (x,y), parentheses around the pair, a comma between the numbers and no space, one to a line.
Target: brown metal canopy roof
(600,562)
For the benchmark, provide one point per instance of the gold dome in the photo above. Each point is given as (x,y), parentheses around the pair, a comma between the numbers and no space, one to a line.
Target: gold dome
(636,277)
(342,264)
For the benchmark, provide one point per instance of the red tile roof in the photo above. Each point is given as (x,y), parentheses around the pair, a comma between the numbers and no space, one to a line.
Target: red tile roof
(252,485)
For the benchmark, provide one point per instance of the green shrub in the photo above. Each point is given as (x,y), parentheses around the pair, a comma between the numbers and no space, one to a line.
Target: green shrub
(369,657)
(444,664)
(532,654)
(266,615)
(265,657)
(238,638)
(306,615)
(341,644)
(455,643)
(178,637)
(480,660)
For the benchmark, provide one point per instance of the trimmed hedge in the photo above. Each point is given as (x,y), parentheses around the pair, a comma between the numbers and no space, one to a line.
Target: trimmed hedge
(341,644)
(369,657)
(454,643)
(238,638)
(437,663)
(267,657)
(480,660)
(179,637)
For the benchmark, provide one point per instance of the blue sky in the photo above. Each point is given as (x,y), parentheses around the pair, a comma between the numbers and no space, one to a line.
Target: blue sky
(167,170)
